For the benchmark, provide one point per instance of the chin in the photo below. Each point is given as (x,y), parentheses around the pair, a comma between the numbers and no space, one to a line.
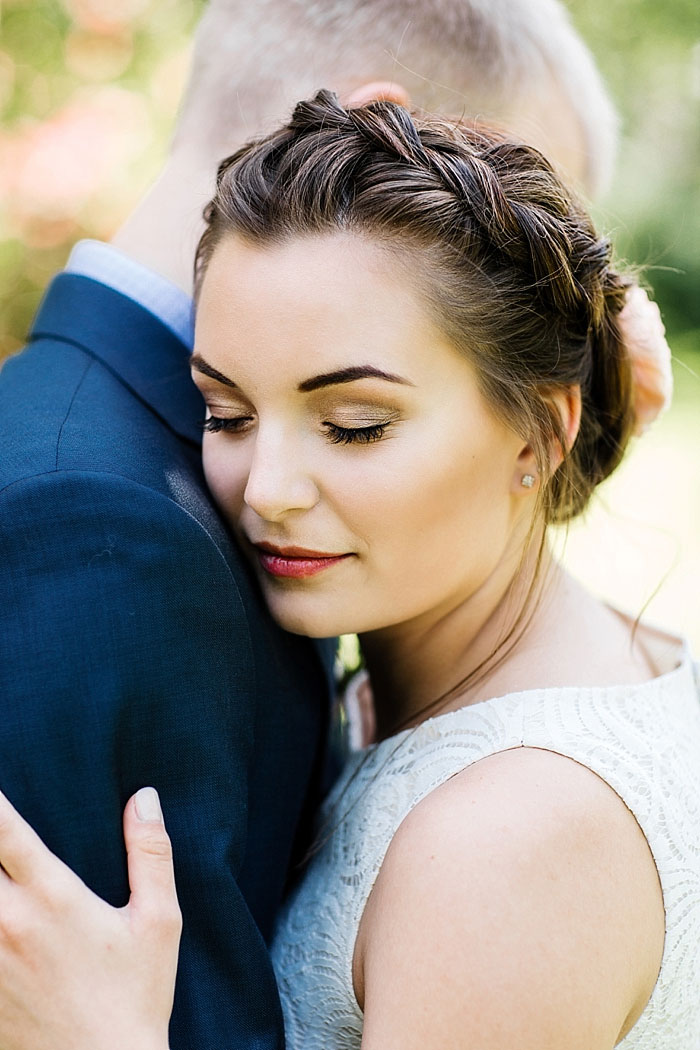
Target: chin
(301,618)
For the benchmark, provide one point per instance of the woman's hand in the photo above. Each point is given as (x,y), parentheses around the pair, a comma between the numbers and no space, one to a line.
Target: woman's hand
(75,973)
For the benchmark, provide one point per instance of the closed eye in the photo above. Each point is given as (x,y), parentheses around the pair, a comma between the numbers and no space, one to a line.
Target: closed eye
(360,435)
(233,424)
(338,435)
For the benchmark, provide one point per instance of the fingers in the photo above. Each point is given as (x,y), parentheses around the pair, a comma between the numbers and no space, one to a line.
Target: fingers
(23,855)
(150,860)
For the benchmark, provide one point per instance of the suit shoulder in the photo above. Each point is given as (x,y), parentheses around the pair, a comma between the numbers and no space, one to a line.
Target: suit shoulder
(71,508)
(110,571)
(61,408)
(37,390)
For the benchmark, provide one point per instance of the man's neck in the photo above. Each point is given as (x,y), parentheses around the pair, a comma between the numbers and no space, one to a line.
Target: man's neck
(163,230)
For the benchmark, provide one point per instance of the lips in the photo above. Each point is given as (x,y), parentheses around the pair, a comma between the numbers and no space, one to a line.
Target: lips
(295,562)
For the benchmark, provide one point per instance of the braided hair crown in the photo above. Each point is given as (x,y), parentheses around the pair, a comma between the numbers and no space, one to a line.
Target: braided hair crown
(507,260)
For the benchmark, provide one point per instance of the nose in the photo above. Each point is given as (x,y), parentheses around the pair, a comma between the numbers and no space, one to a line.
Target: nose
(278,482)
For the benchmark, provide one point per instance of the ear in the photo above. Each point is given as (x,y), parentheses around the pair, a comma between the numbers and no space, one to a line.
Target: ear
(566,404)
(376,91)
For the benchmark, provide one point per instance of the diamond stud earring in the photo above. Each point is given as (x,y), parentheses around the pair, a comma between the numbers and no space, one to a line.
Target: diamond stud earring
(527,481)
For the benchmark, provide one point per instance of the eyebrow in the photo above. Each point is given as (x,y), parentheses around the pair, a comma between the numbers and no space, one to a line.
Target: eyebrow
(341,375)
(197,362)
(349,375)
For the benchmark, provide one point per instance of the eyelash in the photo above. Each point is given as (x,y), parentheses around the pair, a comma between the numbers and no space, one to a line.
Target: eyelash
(355,435)
(338,435)
(215,424)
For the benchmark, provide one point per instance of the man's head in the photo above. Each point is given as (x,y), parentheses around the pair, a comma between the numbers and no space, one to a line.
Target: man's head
(519,62)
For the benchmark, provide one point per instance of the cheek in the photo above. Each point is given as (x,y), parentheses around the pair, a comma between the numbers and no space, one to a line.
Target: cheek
(226,471)
(431,508)
(461,508)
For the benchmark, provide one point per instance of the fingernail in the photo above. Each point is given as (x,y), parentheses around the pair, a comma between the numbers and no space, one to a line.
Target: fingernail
(148,805)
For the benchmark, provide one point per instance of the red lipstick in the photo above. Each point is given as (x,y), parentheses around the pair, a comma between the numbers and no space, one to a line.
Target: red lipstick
(295,562)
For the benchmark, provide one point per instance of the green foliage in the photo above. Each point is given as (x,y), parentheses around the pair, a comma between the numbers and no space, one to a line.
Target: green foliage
(649,54)
(88,92)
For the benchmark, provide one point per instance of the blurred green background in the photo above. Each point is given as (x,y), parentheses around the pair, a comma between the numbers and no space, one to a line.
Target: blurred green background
(88,92)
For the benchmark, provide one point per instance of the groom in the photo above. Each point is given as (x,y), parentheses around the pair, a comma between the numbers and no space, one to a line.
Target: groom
(134,645)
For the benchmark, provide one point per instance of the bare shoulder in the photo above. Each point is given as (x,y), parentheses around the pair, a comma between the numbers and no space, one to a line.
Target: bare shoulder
(518,905)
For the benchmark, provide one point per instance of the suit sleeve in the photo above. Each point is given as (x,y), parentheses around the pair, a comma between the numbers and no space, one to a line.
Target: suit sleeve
(118,620)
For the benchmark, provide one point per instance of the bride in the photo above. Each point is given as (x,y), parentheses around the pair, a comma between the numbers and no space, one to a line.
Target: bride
(416,356)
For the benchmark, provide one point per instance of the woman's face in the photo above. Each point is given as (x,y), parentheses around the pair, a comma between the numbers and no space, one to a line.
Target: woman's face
(348,443)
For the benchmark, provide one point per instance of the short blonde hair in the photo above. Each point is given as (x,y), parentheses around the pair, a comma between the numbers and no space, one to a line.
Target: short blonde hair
(456,56)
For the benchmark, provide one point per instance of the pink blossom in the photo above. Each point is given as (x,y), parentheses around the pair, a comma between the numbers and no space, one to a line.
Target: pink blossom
(644,337)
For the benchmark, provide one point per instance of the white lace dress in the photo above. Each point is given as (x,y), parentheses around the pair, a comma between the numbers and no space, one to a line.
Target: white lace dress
(643,740)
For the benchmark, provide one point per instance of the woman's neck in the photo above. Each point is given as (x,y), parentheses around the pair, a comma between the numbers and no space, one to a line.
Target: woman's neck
(444,658)
(564,637)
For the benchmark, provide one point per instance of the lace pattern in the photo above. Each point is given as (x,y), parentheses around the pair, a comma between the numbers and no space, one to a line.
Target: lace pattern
(643,740)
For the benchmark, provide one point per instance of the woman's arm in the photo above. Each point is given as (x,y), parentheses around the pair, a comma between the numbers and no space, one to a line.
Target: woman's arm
(518,906)
(75,973)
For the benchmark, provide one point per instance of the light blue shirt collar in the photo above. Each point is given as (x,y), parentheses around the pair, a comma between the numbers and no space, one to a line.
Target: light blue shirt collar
(106,264)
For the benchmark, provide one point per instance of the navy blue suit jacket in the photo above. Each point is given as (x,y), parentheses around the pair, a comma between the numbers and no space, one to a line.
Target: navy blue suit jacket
(135,649)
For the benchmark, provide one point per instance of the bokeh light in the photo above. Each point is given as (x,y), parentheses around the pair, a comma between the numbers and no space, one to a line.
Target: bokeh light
(88,93)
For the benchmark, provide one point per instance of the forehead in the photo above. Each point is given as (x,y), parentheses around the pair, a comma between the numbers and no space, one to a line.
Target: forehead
(317,297)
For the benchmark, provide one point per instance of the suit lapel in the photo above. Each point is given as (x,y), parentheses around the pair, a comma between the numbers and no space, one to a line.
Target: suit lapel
(128,340)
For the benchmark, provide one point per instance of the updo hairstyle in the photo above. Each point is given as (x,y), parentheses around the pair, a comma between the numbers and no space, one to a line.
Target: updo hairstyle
(507,260)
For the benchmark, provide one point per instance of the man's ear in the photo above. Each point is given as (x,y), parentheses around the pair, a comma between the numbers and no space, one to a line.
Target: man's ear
(376,91)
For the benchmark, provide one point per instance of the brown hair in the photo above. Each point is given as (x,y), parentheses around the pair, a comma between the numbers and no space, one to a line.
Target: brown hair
(509,262)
